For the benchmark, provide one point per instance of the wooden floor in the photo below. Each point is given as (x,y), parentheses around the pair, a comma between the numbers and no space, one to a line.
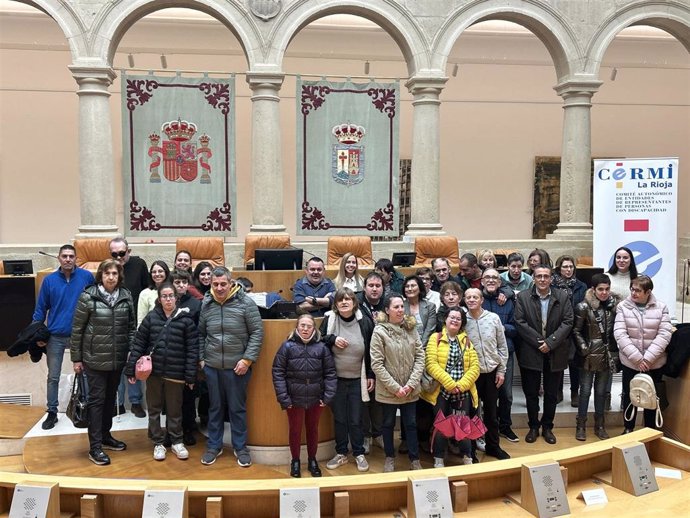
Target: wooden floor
(67,455)
(17,420)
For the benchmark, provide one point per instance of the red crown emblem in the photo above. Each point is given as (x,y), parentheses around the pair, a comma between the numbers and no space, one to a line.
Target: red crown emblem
(155,139)
(348,133)
(179,130)
(204,140)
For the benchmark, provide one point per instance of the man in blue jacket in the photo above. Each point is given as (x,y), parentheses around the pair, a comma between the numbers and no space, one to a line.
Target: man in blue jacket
(57,300)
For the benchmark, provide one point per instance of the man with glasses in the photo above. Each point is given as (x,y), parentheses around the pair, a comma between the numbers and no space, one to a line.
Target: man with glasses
(441,268)
(136,279)
(231,333)
(314,292)
(544,319)
(491,284)
(57,301)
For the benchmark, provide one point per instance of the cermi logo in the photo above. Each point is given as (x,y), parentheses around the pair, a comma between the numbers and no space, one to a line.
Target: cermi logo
(637,173)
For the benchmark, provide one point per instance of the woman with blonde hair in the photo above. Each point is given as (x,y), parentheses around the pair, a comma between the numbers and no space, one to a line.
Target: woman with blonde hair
(486,259)
(348,274)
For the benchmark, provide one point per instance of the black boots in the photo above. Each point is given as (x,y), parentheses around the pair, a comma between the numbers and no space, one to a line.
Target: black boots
(574,399)
(580,431)
(314,468)
(599,429)
(295,468)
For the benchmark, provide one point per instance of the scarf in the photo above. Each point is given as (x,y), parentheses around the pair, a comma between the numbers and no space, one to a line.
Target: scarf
(564,284)
(110,298)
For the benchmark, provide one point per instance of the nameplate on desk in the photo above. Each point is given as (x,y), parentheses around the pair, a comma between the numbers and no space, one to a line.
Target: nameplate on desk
(300,503)
(594,496)
(431,498)
(32,501)
(164,503)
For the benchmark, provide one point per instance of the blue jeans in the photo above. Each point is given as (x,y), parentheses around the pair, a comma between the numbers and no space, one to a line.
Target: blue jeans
(600,380)
(408,420)
(55,352)
(505,396)
(347,416)
(226,387)
(134,393)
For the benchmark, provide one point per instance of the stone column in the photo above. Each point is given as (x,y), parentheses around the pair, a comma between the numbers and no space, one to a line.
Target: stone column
(576,157)
(96,166)
(426,150)
(267,177)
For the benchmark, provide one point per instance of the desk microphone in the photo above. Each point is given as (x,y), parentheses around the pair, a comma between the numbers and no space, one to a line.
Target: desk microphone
(47,254)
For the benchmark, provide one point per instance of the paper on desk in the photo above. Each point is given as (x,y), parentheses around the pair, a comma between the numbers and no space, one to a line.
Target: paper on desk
(668,473)
(594,496)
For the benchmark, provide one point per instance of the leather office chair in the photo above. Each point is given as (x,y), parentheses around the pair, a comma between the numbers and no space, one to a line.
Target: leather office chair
(254,242)
(203,249)
(429,248)
(92,252)
(338,246)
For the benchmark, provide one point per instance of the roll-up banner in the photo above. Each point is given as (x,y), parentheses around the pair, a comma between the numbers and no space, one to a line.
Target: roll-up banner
(635,205)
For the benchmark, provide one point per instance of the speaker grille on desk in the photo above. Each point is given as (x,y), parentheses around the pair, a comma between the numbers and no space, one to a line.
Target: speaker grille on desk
(547,481)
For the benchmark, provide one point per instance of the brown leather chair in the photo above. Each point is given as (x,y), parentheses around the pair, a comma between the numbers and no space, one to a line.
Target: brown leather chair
(203,249)
(338,246)
(92,252)
(252,242)
(429,248)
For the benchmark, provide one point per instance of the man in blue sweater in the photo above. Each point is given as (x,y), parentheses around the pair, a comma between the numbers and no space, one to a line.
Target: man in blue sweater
(57,300)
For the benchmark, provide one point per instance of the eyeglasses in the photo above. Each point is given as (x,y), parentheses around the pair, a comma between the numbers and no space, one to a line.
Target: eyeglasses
(455,319)
(636,290)
(168,296)
(121,253)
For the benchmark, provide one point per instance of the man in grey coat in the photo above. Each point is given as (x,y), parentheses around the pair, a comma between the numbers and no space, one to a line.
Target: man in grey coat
(544,319)
(231,334)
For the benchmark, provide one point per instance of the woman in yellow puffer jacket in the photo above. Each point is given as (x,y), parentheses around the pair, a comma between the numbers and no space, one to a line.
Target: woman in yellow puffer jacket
(453,362)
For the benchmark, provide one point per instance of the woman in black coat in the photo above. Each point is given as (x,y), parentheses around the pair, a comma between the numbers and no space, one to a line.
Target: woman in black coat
(170,336)
(305,381)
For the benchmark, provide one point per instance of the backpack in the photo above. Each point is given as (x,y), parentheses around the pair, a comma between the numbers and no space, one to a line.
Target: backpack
(643,395)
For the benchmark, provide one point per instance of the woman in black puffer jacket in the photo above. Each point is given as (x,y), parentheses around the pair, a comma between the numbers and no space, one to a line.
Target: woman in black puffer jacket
(169,335)
(305,381)
(102,330)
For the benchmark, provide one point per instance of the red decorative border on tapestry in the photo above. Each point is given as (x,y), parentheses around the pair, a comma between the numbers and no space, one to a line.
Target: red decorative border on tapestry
(383,99)
(143,219)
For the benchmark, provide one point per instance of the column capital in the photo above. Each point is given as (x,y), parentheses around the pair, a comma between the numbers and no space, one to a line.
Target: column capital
(427,86)
(578,91)
(90,73)
(273,80)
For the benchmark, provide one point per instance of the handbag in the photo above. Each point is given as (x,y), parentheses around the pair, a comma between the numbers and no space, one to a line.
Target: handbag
(643,395)
(143,367)
(77,407)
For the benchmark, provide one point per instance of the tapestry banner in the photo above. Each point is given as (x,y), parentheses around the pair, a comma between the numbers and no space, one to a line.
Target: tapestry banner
(347,158)
(178,147)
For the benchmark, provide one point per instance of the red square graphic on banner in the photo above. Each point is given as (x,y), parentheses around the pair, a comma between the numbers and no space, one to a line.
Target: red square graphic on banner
(636,225)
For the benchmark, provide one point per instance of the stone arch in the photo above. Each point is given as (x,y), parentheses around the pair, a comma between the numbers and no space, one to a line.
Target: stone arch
(393,17)
(542,20)
(672,17)
(117,18)
(69,21)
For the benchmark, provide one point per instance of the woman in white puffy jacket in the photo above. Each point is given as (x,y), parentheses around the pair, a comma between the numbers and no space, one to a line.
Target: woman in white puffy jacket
(642,331)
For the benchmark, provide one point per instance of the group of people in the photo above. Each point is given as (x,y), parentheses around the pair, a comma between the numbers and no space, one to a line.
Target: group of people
(379,335)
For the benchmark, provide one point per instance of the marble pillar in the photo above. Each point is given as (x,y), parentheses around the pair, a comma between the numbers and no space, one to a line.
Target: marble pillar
(426,150)
(267,177)
(576,157)
(96,165)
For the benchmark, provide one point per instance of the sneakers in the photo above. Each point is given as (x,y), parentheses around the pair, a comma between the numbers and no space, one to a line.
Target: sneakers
(337,461)
(415,465)
(243,458)
(159,452)
(481,444)
(467,460)
(509,434)
(110,443)
(98,456)
(367,445)
(138,411)
(50,421)
(378,441)
(210,456)
(180,451)
(438,462)
(362,464)
(389,465)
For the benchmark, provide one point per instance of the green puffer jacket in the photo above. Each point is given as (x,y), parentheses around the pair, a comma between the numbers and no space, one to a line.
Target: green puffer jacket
(102,335)
(229,332)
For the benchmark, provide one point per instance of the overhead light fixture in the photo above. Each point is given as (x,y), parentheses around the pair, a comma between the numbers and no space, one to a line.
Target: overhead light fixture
(366,68)
(455,70)
(164,61)
(130,60)
(614,73)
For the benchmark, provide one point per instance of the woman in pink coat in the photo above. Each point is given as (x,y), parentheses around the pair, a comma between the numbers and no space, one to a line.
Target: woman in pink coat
(642,331)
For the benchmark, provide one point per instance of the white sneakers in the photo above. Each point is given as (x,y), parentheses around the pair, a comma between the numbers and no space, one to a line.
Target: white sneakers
(481,444)
(338,461)
(415,465)
(389,465)
(362,464)
(466,460)
(159,452)
(367,445)
(180,451)
(438,462)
